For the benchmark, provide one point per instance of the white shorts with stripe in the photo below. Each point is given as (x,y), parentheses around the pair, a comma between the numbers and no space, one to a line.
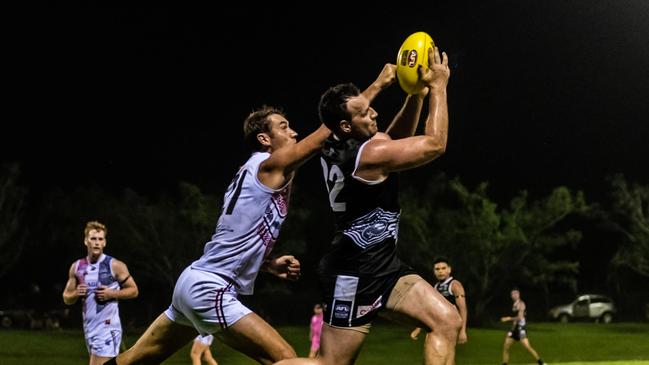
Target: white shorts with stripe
(205,301)
(105,343)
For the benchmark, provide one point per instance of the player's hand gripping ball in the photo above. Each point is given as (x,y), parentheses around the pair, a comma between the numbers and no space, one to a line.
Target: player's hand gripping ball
(413,52)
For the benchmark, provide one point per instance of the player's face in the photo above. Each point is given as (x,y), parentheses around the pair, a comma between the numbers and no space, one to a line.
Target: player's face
(317,310)
(441,270)
(363,124)
(280,133)
(516,295)
(95,241)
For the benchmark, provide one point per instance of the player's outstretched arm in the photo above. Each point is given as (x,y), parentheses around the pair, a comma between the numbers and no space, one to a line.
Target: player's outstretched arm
(404,123)
(387,77)
(282,163)
(384,155)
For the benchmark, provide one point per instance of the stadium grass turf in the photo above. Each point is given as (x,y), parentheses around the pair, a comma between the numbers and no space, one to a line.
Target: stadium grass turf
(566,344)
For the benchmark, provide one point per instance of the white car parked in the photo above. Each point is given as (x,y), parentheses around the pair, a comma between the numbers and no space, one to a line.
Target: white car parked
(587,306)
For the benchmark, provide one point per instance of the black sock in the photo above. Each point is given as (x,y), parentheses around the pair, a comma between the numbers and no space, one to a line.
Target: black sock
(540,361)
(111,362)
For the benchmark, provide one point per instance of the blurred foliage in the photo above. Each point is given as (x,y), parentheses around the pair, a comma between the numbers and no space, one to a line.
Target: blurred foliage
(12,199)
(630,211)
(491,248)
(528,242)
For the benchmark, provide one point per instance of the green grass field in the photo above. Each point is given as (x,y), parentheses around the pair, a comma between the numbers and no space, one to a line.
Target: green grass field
(568,344)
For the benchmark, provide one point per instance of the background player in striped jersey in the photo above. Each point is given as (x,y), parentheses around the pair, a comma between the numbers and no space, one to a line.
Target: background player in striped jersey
(518,331)
(453,291)
(100,281)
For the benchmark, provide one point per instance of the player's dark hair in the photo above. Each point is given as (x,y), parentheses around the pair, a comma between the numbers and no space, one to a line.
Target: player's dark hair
(332,108)
(443,259)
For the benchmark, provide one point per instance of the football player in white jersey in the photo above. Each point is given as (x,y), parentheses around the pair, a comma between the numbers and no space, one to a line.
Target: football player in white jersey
(254,207)
(100,281)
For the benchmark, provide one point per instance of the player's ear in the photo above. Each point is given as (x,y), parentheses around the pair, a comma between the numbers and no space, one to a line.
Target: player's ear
(345,126)
(264,139)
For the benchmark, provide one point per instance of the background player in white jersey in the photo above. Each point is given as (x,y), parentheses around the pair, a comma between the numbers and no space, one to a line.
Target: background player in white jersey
(362,274)
(201,349)
(100,281)
(452,290)
(518,331)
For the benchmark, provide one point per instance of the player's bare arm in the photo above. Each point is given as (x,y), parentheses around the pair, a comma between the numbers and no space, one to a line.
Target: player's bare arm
(386,78)
(404,123)
(460,301)
(382,156)
(73,291)
(128,288)
(278,169)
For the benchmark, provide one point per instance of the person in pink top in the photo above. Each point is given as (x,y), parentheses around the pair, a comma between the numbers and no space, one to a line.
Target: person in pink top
(316,329)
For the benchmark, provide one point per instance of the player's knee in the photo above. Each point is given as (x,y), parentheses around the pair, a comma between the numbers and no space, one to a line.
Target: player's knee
(453,320)
(451,324)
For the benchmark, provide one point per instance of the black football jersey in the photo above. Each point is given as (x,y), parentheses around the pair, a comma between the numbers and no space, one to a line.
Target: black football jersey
(366,214)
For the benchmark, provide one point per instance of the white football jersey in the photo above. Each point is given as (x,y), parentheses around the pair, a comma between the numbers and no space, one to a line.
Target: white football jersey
(247,229)
(98,316)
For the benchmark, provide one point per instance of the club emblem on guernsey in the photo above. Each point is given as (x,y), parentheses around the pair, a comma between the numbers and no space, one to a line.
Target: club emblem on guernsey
(374,230)
(374,227)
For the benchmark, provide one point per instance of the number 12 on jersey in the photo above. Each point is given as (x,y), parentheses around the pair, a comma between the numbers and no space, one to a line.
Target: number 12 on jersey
(335,180)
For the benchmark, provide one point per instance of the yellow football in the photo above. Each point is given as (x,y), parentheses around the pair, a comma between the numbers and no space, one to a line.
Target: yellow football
(413,52)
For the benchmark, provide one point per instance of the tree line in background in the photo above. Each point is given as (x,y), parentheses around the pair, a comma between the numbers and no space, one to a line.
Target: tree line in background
(543,245)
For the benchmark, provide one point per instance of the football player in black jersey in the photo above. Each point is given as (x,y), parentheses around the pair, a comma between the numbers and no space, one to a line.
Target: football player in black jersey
(362,275)
(518,331)
(453,290)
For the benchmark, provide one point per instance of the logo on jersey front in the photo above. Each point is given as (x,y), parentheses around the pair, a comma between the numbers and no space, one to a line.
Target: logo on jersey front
(373,228)
(268,229)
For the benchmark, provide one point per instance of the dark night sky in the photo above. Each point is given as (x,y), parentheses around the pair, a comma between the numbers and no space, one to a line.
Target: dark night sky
(542,93)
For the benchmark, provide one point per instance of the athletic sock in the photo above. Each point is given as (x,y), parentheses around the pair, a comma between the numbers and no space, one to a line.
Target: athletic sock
(540,361)
(111,362)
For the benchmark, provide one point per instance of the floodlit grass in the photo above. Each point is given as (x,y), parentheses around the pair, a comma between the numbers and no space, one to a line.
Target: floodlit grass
(566,344)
